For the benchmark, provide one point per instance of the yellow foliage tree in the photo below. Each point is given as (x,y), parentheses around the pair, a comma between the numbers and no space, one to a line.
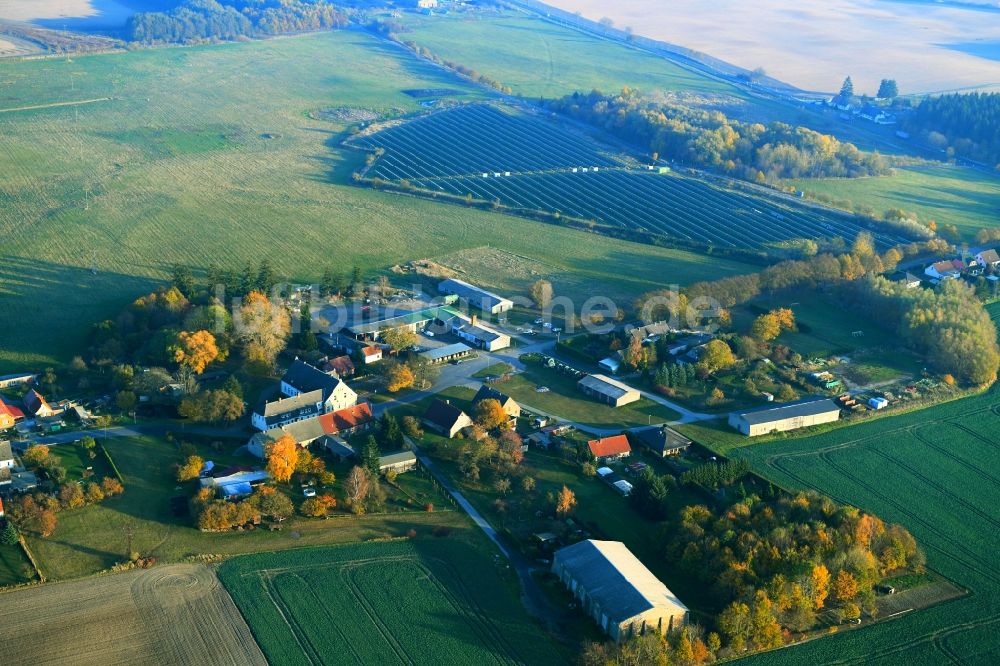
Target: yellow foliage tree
(845,586)
(398,377)
(282,456)
(565,502)
(190,469)
(195,350)
(820,583)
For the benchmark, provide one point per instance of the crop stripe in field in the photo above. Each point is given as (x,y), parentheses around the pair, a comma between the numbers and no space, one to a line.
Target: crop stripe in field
(334,622)
(496,636)
(345,574)
(986,476)
(286,614)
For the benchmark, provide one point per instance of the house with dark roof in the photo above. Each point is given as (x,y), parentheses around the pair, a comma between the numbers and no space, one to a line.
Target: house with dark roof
(302,377)
(617,590)
(446,418)
(507,403)
(479,335)
(281,412)
(610,448)
(662,440)
(785,416)
(6,455)
(905,278)
(399,462)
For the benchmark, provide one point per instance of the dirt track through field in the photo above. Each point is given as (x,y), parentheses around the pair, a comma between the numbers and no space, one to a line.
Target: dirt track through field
(175,614)
(55,105)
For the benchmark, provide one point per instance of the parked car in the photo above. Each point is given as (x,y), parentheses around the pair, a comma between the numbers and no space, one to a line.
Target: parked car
(309,492)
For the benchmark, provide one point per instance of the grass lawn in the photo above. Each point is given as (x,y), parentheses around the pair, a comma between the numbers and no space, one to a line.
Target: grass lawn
(76,460)
(185,157)
(14,566)
(419,601)
(91,539)
(947,194)
(494,370)
(566,401)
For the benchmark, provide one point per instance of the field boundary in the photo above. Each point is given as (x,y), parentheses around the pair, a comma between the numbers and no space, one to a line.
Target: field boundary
(31,558)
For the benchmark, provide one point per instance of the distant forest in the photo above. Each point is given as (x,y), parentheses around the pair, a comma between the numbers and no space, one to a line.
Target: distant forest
(196,20)
(965,124)
(751,151)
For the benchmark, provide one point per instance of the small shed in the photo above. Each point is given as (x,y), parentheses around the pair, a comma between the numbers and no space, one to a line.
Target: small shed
(878,403)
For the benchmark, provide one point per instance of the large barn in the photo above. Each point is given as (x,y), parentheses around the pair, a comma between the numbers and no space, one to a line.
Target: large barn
(785,416)
(617,590)
(607,390)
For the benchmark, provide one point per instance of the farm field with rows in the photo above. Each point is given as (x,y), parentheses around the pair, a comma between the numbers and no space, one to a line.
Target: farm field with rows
(934,471)
(359,603)
(524,162)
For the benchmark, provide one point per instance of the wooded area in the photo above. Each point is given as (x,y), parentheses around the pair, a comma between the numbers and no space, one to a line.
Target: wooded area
(965,125)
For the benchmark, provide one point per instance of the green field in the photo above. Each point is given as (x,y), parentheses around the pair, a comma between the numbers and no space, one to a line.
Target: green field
(489,154)
(209,154)
(14,566)
(91,539)
(423,601)
(947,194)
(934,471)
(540,59)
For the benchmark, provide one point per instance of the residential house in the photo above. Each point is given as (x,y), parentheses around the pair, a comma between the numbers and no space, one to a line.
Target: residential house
(347,421)
(988,259)
(446,418)
(342,366)
(371,354)
(18,379)
(662,440)
(906,278)
(341,423)
(9,415)
(617,590)
(507,403)
(950,269)
(304,378)
(399,462)
(607,390)
(281,412)
(610,448)
(488,302)
(37,406)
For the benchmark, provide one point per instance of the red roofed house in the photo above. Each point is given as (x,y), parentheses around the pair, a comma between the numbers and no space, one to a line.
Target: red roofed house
(610,448)
(347,421)
(9,415)
(342,365)
(36,404)
(371,354)
(946,270)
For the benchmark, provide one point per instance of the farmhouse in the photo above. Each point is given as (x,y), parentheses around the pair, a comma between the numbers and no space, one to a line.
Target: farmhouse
(607,390)
(617,590)
(486,301)
(610,448)
(37,406)
(19,379)
(9,415)
(988,259)
(413,321)
(281,412)
(481,336)
(787,416)
(399,462)
(303,432)
(509,405)
(341,366)
(304,378)
(371,354)
(662,440)
(447,353)
(446,418)
(347,421)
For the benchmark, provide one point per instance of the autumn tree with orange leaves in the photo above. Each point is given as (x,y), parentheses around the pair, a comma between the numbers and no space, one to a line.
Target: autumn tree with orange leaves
(282,457)
(262,328)
(195,350)
(565,502)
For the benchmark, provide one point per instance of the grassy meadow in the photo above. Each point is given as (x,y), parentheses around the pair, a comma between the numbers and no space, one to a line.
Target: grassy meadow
(947,194)
(209,153)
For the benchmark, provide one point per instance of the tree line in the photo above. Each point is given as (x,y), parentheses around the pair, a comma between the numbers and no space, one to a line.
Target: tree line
(196,20)
(963,124)
(708,139)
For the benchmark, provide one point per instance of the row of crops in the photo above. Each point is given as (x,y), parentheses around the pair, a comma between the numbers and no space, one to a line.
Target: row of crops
(478,139)
(488,154)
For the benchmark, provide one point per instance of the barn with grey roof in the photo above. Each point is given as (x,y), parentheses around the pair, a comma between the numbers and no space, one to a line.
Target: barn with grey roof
(785,416)
(617,590)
